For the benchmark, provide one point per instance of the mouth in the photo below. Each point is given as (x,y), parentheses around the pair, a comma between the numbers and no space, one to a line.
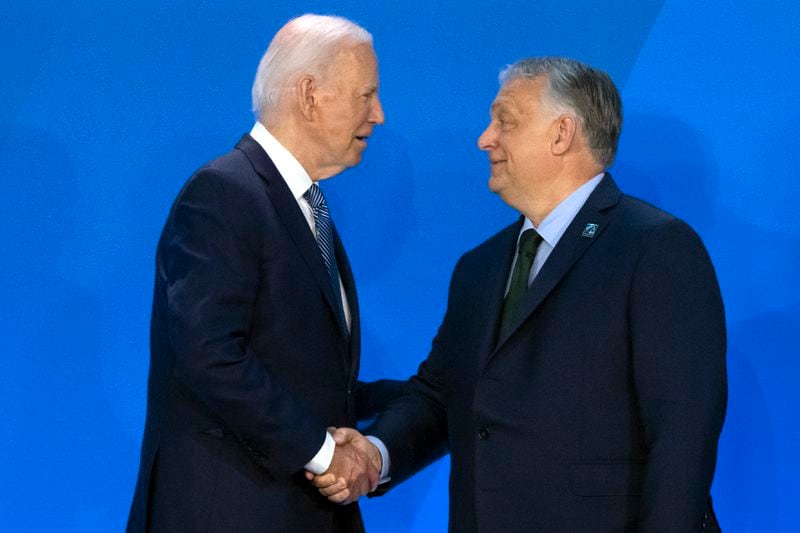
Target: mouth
(362,138)
(496,161)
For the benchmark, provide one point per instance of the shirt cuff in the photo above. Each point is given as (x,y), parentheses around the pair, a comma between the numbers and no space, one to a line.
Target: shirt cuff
(322,461)
(385,461)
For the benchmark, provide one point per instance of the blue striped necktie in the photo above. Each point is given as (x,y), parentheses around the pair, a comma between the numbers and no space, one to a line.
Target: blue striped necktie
(324,224)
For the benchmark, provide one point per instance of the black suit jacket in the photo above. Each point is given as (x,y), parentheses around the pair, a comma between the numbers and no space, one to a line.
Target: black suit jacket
(249,363)
(601,410)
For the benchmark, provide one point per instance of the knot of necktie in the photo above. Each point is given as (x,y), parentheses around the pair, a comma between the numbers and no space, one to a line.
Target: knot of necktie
(314,197)
(529,243)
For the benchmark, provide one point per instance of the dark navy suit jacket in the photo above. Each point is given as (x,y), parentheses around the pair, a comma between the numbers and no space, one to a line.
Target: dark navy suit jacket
(601,410)
(249,363)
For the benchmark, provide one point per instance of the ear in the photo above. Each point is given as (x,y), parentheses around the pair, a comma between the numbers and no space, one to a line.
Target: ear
(307,96)
(564,128)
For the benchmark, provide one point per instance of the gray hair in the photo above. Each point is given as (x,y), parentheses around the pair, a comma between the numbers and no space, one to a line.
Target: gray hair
(581,89)
(304,45)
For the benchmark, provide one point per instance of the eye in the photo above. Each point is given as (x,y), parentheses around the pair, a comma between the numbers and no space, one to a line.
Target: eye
(504,122)
(367,96)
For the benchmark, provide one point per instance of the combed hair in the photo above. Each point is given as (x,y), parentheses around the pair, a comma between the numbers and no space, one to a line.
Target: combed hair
(579,88)
(304,45)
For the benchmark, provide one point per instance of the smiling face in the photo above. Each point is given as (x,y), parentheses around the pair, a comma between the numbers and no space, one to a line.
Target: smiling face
(347,109)
(518,140)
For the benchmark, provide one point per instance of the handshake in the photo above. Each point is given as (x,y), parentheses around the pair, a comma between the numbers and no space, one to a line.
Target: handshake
(355,469)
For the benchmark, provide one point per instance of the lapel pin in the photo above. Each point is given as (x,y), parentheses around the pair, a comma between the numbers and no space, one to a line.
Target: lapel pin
(590,230)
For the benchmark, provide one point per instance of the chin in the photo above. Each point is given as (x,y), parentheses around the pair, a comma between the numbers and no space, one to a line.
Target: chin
(354,160)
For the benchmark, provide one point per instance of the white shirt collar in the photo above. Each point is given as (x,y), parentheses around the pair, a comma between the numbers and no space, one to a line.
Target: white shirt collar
(288,166)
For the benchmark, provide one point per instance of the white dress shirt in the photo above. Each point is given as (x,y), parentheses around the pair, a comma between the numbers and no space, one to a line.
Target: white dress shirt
(298,181)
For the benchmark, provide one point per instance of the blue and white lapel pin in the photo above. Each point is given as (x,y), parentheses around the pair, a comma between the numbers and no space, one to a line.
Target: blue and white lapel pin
(590,230)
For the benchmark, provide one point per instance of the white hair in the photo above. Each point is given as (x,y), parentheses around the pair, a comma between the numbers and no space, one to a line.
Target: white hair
(304,45)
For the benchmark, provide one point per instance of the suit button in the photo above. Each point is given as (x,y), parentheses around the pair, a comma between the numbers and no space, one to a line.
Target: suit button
(483,434)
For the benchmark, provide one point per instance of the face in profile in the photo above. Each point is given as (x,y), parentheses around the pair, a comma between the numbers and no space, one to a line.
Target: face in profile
(518,138)
(348,108)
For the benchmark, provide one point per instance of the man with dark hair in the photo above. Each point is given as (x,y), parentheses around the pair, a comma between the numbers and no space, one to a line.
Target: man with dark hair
(255,326)
(578,377)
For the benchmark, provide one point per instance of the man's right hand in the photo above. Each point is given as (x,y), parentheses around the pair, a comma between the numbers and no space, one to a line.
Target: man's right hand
(354,471)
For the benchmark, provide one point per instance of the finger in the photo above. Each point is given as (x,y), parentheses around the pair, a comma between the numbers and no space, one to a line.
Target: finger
(325,480)
(344,435)
(309,475)
(330,490)
(340,497)
(331,429)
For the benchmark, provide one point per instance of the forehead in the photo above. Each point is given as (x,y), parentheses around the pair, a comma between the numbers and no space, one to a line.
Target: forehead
(520,95)
(355,64)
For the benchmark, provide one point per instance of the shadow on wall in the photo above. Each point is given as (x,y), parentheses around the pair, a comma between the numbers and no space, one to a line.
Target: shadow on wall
(666,162)
(63,446)
(380,193)
(761,434)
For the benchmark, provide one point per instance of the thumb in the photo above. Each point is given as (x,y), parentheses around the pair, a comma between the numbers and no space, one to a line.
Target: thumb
(344,435)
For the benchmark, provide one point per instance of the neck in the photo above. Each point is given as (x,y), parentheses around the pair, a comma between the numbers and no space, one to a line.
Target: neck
(286,133)
(541,202)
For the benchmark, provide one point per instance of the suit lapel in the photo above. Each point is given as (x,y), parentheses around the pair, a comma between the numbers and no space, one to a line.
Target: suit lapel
(352,300)
(595,213)
(496,279)
(296,225)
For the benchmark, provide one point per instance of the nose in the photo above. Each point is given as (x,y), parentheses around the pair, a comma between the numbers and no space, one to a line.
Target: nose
(488,139)
(376,113)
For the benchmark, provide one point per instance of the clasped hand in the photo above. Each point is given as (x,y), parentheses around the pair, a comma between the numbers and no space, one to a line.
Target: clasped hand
(354,471)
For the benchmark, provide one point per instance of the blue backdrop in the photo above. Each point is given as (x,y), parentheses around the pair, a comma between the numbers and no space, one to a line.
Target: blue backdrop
(106,107)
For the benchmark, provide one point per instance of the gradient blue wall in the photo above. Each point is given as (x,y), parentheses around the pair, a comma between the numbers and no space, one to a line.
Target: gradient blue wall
(106,107)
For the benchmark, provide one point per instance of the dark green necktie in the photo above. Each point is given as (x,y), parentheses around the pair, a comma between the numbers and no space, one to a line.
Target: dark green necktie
(528,244)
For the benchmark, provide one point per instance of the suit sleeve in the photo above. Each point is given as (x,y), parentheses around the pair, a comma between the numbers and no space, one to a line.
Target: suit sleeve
(211,263)
(678,341)
(374,396)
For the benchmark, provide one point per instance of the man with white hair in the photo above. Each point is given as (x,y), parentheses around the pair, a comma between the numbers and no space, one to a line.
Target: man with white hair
(578,377)
(255,323)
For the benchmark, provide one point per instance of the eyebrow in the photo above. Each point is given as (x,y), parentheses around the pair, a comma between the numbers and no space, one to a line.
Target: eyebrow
(499,107)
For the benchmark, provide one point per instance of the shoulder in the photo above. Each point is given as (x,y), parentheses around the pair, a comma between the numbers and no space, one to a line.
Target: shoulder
(224,193)
(647,223)
(661,243)
(232,170)
(493,247)
(227,179)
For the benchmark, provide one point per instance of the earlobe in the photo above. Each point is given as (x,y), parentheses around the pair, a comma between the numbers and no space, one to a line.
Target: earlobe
(306,95)
(565,128)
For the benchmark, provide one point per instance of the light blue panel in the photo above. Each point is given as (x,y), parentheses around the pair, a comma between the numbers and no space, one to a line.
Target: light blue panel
(709,134)
(106,107)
